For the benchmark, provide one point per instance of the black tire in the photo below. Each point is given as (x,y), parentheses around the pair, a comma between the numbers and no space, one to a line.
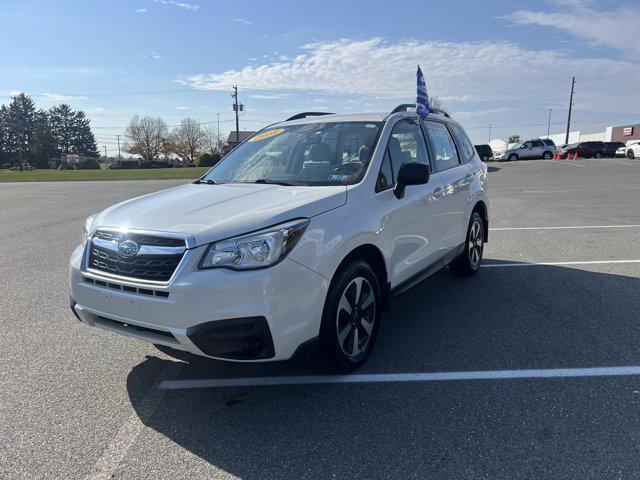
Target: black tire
(630,154)
(335,319)
(485,158)
(546,155)
(468,263)
(513,157)
(597,155)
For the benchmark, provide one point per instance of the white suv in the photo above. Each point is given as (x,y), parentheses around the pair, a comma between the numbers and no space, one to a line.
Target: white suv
(298,237)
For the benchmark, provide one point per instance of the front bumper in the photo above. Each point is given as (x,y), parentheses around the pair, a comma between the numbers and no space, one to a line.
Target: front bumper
(252,315)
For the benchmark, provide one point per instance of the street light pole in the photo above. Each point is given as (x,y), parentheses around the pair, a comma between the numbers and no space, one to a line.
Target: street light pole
(489,132)
(549,123)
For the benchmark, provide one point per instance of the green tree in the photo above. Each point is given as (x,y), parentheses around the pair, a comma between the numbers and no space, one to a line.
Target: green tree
(21,126)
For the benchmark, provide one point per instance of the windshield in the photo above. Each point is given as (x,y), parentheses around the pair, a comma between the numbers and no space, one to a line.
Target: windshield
(334,153)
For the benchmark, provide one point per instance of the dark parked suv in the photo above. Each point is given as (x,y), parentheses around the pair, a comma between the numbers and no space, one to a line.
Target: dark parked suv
(484,152)
(585,149)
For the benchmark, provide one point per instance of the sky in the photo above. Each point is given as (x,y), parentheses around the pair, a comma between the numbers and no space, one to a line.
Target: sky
(504,63)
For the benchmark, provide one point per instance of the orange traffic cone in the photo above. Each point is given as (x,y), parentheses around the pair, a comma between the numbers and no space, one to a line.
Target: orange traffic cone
(575,156)
(568,156)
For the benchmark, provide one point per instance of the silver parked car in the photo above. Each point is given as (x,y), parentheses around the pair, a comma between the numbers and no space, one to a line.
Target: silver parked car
(529,150)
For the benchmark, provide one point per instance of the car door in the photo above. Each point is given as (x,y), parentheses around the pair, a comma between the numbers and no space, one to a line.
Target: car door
(411,225)
(527,150)
(456,169)
(537,149)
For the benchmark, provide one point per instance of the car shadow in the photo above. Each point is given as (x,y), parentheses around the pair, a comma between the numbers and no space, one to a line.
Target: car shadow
(507,317)
(491,168)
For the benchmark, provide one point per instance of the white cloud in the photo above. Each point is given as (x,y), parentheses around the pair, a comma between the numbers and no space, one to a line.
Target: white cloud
(181,108)
(270,96)
(63,98)
(186,6)
(154,55)
(141,10)
(611,28)
(463,72)
(245,22)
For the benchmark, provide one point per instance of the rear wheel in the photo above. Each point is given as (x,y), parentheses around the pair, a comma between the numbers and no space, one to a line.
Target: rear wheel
(546,155)
(351,317)
(468,263)
(597,155)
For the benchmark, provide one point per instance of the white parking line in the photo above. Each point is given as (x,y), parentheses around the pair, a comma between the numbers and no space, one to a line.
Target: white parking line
(401,377)
(576,227)
(561,162)
(532,264)
(610,161)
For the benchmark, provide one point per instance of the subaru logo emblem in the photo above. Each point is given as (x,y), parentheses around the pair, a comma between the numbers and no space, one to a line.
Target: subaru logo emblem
(128,248)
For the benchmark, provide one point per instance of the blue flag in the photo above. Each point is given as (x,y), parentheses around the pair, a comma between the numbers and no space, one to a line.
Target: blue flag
(422,100)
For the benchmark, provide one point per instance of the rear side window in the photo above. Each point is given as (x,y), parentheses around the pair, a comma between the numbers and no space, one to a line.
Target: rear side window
(444,148)
(466,148)
(537,143)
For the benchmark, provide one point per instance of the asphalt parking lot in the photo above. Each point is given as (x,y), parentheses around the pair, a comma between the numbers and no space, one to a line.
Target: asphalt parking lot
(559,293)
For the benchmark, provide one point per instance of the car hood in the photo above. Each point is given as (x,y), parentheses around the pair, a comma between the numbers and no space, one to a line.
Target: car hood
(213,212)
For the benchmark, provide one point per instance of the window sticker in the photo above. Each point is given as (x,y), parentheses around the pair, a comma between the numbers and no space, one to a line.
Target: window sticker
(269,134)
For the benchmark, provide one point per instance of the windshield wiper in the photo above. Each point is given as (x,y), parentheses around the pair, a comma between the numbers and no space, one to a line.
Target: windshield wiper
(208,181)
(273,182)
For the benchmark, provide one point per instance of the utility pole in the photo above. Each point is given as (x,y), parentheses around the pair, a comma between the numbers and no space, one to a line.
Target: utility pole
(573,83)
(118,147)
(489,132)
(549,123)
(218,144)
(237,107)
(105,152)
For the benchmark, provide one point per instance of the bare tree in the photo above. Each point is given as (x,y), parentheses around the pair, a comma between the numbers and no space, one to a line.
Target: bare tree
(435,103)
(213,142)
(146,136)
(515,138)
(188,139)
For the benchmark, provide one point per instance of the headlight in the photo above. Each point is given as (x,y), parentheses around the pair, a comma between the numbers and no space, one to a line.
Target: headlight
(88,223)
(256,250)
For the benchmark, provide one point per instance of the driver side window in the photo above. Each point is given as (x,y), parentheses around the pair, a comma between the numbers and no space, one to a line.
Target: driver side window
(406,144)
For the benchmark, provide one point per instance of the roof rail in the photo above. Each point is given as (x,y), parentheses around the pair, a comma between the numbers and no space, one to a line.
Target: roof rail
(407,106)
(307,114)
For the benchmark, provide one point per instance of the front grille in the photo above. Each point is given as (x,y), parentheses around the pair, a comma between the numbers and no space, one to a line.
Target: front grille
(156,266)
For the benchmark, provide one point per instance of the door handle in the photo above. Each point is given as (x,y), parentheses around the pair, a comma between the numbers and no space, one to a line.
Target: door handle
(438,192)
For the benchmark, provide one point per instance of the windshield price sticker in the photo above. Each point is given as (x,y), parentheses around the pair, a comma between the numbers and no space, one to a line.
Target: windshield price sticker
(269,134)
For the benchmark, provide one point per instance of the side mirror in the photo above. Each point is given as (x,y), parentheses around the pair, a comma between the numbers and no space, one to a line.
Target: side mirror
(411,173)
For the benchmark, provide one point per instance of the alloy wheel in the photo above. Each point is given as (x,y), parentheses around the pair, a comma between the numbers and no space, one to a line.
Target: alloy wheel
(475,244)
(356,317)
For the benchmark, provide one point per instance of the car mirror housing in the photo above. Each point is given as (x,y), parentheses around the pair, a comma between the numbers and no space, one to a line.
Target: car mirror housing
(411,173)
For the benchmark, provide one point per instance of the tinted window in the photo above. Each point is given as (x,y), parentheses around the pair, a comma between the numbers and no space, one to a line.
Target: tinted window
(444,148)
(466,148)
(537,143)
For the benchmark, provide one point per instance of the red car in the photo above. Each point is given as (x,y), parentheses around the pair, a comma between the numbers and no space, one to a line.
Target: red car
(584,149)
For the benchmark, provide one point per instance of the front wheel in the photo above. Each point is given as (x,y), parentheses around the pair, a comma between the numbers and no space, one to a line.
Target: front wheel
(597,155)
(468,262)
(630,154)
(513,157)
(351,317)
